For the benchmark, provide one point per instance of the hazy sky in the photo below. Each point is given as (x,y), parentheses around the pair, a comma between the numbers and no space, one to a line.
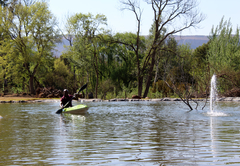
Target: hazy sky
(124,21)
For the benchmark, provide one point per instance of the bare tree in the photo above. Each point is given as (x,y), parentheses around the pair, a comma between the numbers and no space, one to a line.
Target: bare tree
(133,6)
(24,2)
(3,3)
(172,15)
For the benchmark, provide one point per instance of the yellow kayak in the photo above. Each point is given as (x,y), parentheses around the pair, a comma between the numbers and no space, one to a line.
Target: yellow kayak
(78,109)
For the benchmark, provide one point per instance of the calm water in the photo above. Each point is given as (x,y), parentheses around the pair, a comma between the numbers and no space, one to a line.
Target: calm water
(120,133)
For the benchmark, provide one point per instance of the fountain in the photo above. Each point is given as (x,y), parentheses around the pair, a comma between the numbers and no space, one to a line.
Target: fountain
(213,98)
(213,93)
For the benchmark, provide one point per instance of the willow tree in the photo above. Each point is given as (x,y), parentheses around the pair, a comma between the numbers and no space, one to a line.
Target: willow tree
(32,34)
(175,16)
(200,69)
(124,72)
(87,31)
(224,54)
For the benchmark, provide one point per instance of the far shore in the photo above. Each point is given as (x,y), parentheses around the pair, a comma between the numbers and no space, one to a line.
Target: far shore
(32,99)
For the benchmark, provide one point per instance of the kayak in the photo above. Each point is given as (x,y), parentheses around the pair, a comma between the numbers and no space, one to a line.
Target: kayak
(77,109)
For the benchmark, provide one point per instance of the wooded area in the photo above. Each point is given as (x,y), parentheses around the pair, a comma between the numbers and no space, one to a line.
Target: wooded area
(115,65)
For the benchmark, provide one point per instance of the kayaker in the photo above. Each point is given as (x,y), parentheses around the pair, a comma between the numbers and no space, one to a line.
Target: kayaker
(66,98)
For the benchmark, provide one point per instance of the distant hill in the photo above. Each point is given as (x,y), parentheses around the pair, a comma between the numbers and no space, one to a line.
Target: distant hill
(193,40)
(60,47)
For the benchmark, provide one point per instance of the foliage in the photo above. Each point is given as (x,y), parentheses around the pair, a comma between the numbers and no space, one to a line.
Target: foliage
(106,87)
(60,77)
(85,52)
(31,36)
(201,70)
(224,47)
(178,76)
(224,55)
(125,69)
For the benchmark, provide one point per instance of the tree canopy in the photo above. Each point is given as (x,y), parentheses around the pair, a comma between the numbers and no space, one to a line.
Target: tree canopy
(29,37)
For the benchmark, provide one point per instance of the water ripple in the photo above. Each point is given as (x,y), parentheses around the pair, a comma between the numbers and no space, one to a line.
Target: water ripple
(120,133)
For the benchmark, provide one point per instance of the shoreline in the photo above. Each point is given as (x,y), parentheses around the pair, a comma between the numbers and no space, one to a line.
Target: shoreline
(35,100)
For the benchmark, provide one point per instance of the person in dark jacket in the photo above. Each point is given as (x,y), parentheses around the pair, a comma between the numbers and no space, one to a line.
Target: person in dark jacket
(66,98)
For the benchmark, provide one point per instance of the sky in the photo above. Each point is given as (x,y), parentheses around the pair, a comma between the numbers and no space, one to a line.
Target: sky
(124,21)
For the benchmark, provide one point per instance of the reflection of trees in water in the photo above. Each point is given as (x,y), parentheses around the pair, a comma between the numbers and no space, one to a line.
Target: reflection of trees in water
(175,136)
(25,135)
(225,136)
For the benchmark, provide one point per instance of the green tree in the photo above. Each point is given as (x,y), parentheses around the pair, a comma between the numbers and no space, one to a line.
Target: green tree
(126,56)
(87,30)
(200,69)
(60,76)
(32,33)
(224,55)
(178,74)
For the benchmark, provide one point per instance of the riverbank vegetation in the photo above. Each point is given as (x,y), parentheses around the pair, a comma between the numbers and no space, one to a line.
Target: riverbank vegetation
(115,65)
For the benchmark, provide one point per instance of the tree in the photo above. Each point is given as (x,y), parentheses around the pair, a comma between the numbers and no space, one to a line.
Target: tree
(224,55)
(31,29)
(126,54)
(201,69)
(87,31)
(133,6)
(174,16)
(177,74)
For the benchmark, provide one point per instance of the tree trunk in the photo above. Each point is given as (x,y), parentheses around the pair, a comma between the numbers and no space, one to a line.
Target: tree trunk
(74,78)
(23,84)
(140,85)
(96,69)
(31,79)
(32,90)
(149,78)
(86,97)
(96,87)
(156,73)
(4,83)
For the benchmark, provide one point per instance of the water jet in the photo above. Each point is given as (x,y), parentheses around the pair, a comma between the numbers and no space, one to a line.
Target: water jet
(213,92)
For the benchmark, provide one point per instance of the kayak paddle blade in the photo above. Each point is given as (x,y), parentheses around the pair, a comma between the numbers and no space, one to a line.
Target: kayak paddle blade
(82,88)
(59,111)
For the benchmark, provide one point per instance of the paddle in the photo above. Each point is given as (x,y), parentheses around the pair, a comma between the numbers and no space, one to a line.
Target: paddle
(61,109)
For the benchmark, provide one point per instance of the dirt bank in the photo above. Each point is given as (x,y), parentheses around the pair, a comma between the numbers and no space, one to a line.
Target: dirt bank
(22,99)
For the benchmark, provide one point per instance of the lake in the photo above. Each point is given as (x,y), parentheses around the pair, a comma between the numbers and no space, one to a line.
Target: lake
(120,133)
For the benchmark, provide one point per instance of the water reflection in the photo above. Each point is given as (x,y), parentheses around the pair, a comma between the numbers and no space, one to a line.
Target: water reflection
(120,133)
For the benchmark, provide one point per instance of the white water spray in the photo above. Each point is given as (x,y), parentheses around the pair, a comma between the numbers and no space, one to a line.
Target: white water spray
(213,98)
(213,92)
